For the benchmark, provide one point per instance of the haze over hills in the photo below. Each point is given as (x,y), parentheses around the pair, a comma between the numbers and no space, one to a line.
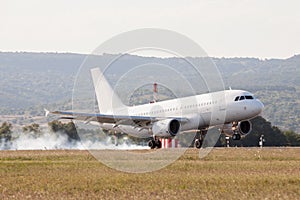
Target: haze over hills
(31,81)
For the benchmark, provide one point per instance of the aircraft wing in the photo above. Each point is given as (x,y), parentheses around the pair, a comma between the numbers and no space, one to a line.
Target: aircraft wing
(141,121)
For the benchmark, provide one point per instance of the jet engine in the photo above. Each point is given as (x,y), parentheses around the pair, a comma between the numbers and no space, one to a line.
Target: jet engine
(166,128)
(243,128)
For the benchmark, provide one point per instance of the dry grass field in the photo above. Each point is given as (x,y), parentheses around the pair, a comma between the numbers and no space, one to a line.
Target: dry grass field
(233,173)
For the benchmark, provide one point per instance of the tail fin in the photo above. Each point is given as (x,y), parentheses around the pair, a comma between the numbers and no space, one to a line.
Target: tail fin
(107,99)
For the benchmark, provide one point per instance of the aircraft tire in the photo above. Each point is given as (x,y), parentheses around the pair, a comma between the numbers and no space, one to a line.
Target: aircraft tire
(236,136)
(198,143)
(152,144)
(158,144)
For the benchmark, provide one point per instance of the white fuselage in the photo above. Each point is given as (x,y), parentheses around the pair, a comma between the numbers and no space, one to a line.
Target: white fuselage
(201,111)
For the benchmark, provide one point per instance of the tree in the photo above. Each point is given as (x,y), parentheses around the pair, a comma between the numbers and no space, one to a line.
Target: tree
(273,135)
(33,128)
(69,129)
(5,132)
(293,139)
(55,126)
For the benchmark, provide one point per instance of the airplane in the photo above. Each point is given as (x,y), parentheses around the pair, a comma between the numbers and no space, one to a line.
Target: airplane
(230,110)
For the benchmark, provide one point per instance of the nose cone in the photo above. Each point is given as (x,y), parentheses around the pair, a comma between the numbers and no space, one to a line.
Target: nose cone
(259,106)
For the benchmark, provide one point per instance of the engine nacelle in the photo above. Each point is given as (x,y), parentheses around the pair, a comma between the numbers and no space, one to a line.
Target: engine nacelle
(243,128)
(166,128)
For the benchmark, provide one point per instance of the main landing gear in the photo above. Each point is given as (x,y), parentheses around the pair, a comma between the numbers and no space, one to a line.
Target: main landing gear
(199,137)
(154,143)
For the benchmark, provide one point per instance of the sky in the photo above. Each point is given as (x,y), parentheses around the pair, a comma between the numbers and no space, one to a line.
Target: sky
(223,28)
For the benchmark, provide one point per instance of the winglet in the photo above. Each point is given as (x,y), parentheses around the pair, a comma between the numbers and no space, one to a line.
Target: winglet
(46,112)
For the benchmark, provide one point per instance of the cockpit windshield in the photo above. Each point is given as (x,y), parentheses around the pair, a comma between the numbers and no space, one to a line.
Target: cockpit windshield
(240,98)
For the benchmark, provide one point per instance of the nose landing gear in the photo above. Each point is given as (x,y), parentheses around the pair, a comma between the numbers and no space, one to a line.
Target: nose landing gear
(236,136)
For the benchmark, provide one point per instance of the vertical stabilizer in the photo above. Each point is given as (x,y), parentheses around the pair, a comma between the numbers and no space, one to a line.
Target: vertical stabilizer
(108,100)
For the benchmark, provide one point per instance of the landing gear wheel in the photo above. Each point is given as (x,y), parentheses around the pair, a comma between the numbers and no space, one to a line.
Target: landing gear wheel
(199,137)
(152,144)
(236,136)
(158,144)
(198,143)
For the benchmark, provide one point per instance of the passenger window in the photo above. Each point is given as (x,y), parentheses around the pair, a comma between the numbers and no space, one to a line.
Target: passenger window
(249,97)
(236,98)
(242,98)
